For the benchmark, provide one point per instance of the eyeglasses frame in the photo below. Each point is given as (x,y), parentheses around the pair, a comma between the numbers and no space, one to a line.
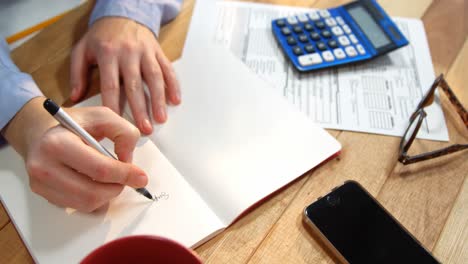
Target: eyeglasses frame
(406,159)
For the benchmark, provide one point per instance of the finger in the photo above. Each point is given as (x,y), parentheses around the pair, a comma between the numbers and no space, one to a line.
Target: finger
(130,70)
(155,81)
(101,122)
(72,152)
(170,79)
(109,75)
(68,188)
(101,168)
(78,71)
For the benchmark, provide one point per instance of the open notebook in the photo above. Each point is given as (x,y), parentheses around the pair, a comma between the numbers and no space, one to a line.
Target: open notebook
(230,144)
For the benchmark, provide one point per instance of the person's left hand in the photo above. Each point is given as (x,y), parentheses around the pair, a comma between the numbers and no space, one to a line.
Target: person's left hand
(122,47)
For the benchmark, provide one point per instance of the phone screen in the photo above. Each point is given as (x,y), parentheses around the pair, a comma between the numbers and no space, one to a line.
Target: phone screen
(361,230)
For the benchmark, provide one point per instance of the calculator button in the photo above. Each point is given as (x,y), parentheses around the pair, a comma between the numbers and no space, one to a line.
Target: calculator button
(281,23)
(332,44)
(326,34)
(303,18)
(320,24)
(308,27)
(310,59)
(337,31)
(343,40)
(314,16)
(297,29)
(328,56)
(321,45)
(347,29)
(297,50)
(286,31)
(292,20)
(324,13)
(353,39)
(291,40)
(361,49)
(330,22)
(339,53)
(309,48)
(340,20)
(303,38)
(351,51)
(314,36)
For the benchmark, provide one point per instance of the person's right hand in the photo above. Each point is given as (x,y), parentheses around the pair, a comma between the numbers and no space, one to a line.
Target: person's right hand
(66,171)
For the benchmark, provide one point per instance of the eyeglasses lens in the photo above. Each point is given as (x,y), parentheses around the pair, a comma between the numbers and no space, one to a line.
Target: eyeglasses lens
(411,129)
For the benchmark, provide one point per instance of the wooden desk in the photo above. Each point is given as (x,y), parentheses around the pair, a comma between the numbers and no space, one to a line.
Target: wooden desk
(430,199)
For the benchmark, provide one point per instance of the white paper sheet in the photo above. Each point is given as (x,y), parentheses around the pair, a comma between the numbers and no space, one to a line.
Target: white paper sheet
(375,97)
(232,138)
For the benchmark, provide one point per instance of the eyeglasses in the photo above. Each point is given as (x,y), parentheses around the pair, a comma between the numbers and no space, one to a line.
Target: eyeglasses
(417,118)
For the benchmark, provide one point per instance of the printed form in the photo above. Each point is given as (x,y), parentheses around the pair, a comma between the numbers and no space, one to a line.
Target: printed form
(377,96)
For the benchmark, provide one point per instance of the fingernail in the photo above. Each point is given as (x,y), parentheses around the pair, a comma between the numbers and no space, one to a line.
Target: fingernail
(73,93)
(162,114)
(177,96)
(127,157)
(147,125)
(141,180)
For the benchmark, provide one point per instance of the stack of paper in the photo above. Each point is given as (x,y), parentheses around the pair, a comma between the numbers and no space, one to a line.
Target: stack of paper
(378,96)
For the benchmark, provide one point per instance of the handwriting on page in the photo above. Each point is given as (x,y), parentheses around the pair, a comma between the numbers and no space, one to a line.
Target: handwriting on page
(161,196)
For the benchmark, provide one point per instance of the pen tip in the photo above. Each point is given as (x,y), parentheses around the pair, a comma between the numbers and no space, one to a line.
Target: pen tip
(145,193)
(149,196)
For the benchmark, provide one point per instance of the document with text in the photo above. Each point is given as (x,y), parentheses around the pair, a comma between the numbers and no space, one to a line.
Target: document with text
(377,96)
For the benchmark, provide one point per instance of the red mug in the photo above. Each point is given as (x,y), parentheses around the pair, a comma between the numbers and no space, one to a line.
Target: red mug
(142,249)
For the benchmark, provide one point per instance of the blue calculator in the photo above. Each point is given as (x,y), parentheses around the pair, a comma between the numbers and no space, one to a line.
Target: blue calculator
(351,33)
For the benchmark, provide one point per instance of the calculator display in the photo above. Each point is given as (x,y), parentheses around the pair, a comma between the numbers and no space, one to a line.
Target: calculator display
(374,33)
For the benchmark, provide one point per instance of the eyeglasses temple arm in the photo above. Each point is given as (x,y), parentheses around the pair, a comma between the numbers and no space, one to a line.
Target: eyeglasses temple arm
(454,100)
(434,154)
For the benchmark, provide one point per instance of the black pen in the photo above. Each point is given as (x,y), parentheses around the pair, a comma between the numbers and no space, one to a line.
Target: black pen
(65,120)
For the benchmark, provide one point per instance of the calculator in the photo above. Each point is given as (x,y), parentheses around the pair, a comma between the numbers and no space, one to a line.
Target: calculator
(350,33)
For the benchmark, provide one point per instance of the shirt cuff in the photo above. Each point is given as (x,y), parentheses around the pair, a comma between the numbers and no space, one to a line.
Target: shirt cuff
(22,89)
(144,12)
(16,87)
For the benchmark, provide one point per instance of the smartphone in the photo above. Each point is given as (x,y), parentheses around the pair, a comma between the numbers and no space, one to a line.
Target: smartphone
(357,229)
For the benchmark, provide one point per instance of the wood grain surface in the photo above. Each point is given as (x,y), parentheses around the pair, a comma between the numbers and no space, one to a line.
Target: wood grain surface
(430,198)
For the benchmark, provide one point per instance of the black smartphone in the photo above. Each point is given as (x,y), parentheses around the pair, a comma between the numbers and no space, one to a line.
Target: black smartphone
(357,229)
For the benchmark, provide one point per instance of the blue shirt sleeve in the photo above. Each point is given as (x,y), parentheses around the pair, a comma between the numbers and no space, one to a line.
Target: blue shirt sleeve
(151,13)
(16,87)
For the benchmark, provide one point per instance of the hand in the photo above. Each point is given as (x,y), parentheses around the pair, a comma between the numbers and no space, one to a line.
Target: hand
(122,46)
(66,171)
